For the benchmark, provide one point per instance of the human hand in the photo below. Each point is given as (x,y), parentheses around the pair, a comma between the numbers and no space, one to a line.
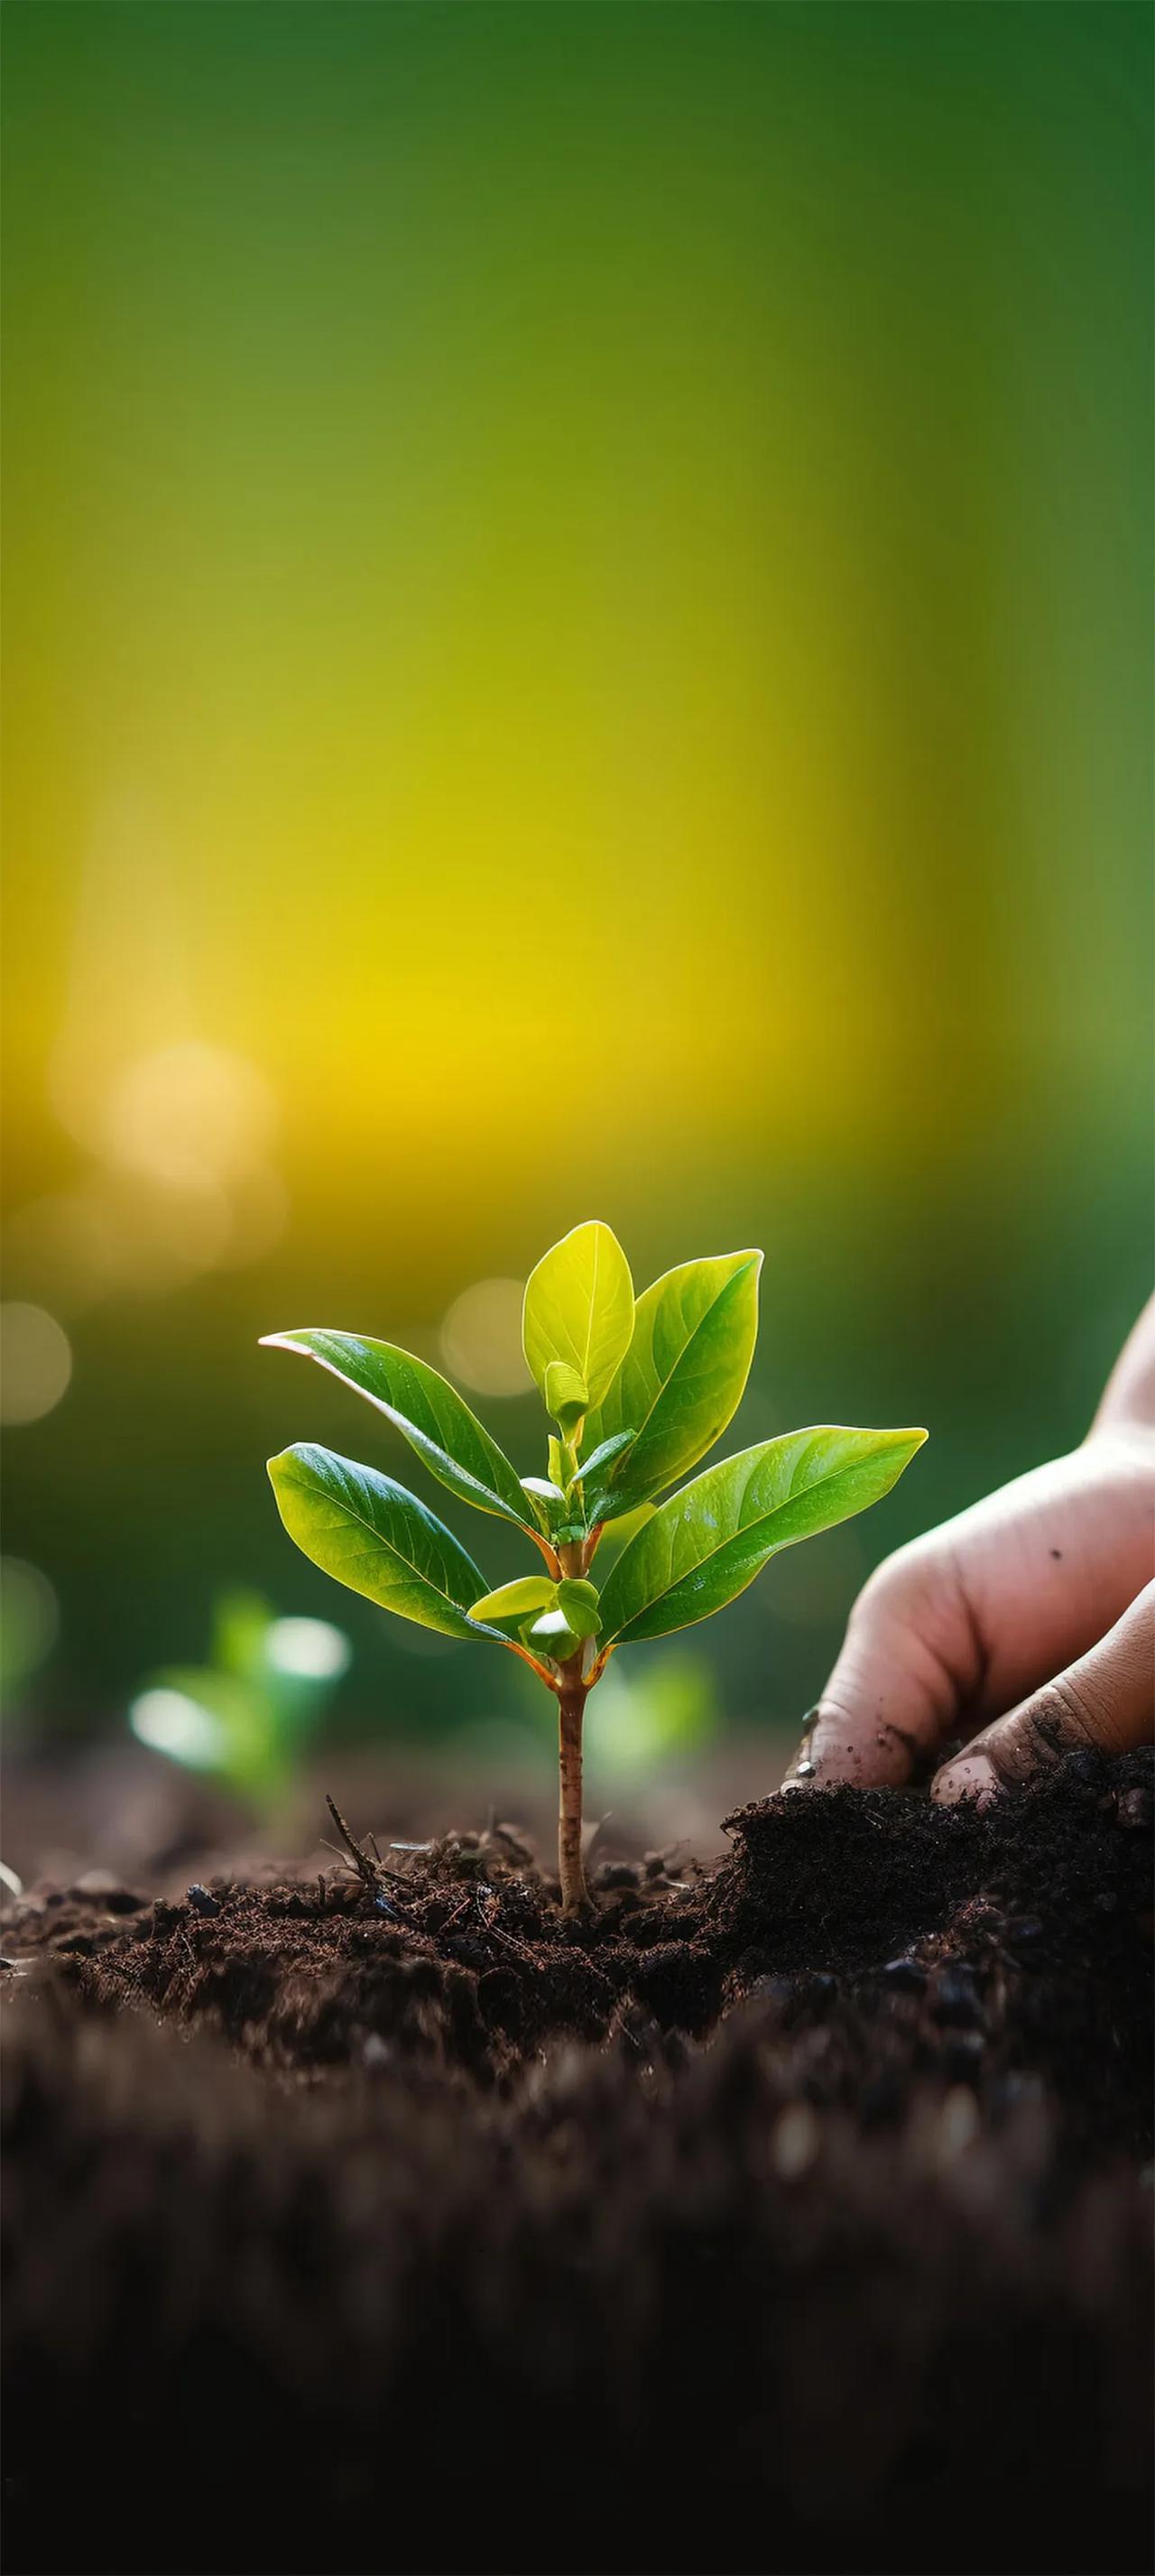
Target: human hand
(1024,1627)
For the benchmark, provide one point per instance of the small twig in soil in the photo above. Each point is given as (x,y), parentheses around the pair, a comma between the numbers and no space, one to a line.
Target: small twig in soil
(359,1857)
(496,1933)
(370,1872)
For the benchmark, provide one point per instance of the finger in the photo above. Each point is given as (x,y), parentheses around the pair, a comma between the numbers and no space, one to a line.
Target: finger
(1105,1700)
(1128,1402)
(910,1661)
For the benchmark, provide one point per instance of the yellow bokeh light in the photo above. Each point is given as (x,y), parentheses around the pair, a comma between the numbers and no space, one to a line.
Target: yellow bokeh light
(188,1114)
(481,1338)
(36,1362)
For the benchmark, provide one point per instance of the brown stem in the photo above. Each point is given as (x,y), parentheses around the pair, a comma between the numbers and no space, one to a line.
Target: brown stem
(542,1670)
(571,1698)
(552,1561)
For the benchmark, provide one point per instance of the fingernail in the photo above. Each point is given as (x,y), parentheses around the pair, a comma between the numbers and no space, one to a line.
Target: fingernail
(802,1767)
(970,1777)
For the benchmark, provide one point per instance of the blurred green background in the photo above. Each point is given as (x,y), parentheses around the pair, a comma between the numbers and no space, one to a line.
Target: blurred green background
(578,643)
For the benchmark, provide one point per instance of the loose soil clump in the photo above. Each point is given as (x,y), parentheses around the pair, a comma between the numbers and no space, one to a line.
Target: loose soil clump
(792,2214)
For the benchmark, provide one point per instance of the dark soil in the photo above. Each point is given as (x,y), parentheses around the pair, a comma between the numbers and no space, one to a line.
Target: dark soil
(792,2215)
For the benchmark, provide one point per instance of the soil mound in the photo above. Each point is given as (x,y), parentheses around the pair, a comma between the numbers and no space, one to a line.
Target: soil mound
(791,2215)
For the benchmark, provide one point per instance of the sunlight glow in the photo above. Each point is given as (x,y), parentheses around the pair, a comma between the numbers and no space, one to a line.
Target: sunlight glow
(481,1338)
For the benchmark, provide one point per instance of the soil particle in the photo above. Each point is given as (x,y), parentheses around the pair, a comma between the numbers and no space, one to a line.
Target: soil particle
(799,2202)
(1133,1809)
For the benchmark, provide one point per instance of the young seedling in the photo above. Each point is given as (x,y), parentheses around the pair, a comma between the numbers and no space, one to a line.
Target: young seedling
(639,1390)
(243,1720)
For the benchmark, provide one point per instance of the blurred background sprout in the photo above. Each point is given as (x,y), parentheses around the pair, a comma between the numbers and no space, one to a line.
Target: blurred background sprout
(638,1721)
(29,1626)
(245,1720)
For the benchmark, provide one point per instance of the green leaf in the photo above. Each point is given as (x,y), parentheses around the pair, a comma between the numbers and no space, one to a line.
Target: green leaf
(579,1310)
(580,1605)
(516,1600)
(371,1535)
(552,1635)
(683,1377)
(617,1534)
(566,1394)
(591,1470)
(547,1499)
(707,1543)
(433,1417)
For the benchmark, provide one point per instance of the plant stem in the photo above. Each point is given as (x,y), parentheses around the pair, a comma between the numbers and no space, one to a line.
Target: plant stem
(571,1700)
(572,1692)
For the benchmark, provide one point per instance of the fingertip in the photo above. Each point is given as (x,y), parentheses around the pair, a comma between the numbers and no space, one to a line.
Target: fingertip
(972,1776)
(827,1765)
(852,1752)
(819,1762)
